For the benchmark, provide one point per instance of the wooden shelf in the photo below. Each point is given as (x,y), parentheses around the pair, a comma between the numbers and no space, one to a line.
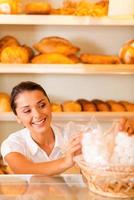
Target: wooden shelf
(80,116)
(66,69)
(64,20)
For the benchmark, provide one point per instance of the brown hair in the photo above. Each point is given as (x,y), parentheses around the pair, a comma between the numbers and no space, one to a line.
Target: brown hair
(21,87)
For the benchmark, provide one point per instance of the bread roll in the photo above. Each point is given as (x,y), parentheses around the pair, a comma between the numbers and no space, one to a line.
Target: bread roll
(126,52)
(116,106)
(87,106)
(129,106)
(52,58)
(56,45)
(4,102)
(8,41)
(101,105)
(15,54)
(55,107)
(71,106)
(99,59)
(37,8)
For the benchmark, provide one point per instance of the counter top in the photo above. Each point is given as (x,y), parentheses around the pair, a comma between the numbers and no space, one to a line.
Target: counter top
(39,187)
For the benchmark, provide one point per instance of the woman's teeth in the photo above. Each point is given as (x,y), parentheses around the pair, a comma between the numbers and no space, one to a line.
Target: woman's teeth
(39,122)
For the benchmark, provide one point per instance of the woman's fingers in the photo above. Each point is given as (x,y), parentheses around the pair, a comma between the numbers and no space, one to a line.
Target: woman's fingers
(127,125)
(122,124)
(75,148)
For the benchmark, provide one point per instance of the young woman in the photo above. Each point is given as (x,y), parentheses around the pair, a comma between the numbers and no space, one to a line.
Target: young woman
(36,149)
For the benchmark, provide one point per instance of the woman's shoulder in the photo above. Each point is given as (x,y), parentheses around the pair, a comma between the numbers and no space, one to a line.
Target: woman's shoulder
(17,136)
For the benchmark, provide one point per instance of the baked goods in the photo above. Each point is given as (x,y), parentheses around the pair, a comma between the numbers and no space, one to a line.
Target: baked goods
(4,102)
(56,45)
(126,52)
(55,107)
(52,58)
(101,105)
(84,8)
(87,106)
(71,106)
(15,54)
(129,106)
(97,9)
(116,106)
(99,59)
(7,41)
(37,8)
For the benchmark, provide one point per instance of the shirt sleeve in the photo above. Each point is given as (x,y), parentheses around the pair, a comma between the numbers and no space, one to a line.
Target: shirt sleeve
(10,145)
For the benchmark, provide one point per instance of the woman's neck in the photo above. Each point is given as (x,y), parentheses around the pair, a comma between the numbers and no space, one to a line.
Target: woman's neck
(44,139)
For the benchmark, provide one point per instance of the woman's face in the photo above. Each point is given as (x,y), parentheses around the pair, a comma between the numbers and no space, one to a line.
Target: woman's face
(33,111)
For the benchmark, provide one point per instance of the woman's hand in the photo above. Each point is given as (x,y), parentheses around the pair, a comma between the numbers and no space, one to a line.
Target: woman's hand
(127,125)
(74,148)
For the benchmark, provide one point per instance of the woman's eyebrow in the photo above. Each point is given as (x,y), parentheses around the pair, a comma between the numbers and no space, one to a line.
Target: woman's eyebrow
(24,107)
(40,101)
(27,106)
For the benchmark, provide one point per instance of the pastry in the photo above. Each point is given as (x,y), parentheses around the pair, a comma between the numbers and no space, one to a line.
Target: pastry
(99,59)
(4,102)
(56,45)
(87,106)
(8,41)
(15,54)
(55,107)
(115,106)
(101,105)
(84,8)
(129,106)
(52,58)
(71,106)
(126,52)
(38,8)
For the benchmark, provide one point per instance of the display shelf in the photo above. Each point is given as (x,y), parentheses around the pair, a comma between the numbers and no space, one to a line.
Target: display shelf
(64,20)
(78,116)
(66,69)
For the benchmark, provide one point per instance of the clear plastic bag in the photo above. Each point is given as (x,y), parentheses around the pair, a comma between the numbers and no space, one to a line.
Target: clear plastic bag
(72,129)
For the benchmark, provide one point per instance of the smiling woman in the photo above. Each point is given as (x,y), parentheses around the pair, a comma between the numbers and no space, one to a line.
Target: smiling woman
(36,149)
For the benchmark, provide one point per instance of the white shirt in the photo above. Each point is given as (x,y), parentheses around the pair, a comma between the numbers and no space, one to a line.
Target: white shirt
(22,142)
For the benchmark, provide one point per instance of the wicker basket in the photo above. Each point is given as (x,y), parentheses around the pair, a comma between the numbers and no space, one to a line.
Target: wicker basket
(110,182)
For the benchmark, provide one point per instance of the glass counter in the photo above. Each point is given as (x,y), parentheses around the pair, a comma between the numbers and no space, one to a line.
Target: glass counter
(39,187)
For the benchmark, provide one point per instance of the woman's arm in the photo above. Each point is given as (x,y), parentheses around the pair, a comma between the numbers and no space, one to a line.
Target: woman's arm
(19,164)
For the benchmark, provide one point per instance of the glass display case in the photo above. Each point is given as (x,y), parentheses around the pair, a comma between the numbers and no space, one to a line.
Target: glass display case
(39,187)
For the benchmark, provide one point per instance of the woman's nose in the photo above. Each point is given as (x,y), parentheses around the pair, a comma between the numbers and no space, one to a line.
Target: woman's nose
(36,113)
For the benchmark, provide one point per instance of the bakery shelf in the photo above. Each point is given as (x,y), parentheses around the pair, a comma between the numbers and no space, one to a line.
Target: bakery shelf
(79,116)
(64,20)
(66,69)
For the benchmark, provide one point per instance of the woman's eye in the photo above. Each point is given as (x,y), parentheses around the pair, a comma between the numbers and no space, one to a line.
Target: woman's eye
(42,105)
(26,111)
